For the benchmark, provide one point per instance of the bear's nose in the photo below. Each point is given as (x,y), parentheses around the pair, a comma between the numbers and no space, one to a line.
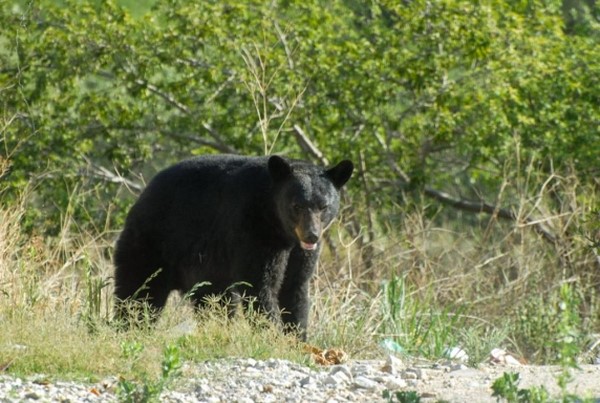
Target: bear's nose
(311,237)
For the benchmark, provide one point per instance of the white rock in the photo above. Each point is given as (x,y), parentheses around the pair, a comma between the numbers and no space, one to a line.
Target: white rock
(341,368)
(456,354)
(394,383)
(500,356)
(337,378)
(306,381)
(365,383)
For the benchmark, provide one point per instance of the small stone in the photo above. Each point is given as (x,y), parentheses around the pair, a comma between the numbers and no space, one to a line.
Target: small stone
(306,381)
(417,371)
(409,374)
(272,363)
(365,383)
(32,396)
(458,367)
(361,369)
(392,365)
(341,368)
(395,383)
(338,378)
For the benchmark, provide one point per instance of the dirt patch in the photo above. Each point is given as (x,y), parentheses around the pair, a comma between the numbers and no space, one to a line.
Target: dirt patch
(475,384)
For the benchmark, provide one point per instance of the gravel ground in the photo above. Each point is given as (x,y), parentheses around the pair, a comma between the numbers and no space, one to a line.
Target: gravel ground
(248,380)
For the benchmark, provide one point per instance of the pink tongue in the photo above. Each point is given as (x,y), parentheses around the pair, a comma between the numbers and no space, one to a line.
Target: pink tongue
(308,246)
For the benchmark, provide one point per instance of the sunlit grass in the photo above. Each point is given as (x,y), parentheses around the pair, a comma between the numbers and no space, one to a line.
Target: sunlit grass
(431,287)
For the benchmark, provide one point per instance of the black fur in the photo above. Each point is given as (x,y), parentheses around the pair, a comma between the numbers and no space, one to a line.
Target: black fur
(228,219)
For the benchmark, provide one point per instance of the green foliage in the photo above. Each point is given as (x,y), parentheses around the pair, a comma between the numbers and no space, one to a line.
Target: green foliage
(148,390)
(569,335)
(402,396)
(488,101)
(566,344)
(416,324)
(507,387)
(551,326)
(441,89)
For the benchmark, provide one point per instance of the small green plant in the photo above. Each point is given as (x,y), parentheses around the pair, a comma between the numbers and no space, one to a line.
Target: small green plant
(479,339)
(412,321)
(569,337)
(567,344)
(148,390)
(405,396)
(507,387)
(94,286)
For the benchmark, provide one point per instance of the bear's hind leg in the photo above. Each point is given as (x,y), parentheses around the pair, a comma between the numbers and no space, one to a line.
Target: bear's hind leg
(138,278)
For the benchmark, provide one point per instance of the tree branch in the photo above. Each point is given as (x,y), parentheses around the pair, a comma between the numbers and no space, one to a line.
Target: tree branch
(103,173)
(167,97)
(308,146)
(483,207)
(217,144)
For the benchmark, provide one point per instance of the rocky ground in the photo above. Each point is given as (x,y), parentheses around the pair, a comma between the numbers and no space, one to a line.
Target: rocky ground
(248,380)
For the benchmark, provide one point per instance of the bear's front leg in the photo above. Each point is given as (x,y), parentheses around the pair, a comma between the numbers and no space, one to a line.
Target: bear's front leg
(269,286)
(269,305)
(293,296)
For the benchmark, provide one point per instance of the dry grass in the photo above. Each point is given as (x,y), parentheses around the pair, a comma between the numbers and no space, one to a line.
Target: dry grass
(503,277)
(56,305)
(480,285)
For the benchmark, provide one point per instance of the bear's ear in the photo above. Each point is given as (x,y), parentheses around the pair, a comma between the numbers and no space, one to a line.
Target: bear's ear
(340,173)
(279,168)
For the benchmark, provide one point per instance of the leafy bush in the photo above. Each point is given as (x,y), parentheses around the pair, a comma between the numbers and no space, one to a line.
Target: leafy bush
(474,127)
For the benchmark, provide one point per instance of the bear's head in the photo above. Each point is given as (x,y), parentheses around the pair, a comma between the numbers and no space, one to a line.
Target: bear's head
(307,197)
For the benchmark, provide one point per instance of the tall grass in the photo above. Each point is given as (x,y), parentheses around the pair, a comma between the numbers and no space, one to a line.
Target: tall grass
(476,281)
(430,285)
(56,310)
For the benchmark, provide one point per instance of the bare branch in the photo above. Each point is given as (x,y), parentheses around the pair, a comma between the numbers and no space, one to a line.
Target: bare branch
(106,175)
(308,146)
(483,207)
(216,144)
(220,88)
(283,41)
(391,161)
(167,97)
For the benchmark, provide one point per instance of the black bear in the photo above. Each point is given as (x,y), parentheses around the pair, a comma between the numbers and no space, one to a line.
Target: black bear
(237,225)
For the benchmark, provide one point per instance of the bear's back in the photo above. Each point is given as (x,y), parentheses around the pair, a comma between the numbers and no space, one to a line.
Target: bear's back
(199,184)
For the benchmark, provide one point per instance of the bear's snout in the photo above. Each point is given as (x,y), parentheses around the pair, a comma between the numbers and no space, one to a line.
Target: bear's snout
(308,235)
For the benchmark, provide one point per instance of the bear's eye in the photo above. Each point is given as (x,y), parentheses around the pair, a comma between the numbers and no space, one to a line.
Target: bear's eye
(296,207)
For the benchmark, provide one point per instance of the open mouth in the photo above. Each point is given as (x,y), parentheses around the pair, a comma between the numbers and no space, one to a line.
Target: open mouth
(308,245)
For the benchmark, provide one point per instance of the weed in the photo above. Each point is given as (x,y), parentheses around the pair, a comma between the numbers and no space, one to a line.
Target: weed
(479,339)
(507,387)
(428,330)
(569,336)
(566,344)
(148,389)
(402,396)
(445,284)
